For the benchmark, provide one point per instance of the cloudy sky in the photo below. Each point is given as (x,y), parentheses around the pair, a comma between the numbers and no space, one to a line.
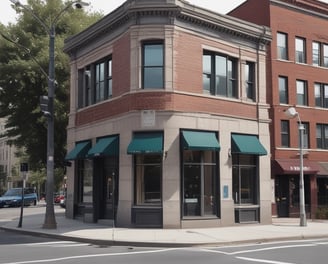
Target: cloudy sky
(7,14)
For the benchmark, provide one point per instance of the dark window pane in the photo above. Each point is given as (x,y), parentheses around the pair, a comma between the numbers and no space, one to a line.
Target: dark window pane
(153,78)
(153,65)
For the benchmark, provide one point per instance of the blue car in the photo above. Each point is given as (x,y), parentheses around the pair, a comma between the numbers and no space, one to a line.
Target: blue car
(13,197)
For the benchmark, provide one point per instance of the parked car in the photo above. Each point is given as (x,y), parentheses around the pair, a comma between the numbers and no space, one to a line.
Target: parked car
(63,202)
(13,197)
(58,197)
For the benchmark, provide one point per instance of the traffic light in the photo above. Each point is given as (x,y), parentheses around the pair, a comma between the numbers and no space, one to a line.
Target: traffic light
(44,105)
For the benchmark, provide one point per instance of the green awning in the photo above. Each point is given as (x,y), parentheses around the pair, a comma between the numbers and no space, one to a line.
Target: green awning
(247,144)
(199,140)
(146,143)
(80,150)
(107,146)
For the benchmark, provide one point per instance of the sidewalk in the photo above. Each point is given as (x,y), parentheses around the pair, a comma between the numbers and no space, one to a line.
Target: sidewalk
(76,230)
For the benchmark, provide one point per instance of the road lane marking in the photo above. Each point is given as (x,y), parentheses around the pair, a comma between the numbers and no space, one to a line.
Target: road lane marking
(90,256)
(257,249)
(57,244)
(264,261)
(270,248)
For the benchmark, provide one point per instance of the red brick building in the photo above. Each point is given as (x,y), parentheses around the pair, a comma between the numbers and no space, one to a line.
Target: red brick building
(297,76)
(169,123)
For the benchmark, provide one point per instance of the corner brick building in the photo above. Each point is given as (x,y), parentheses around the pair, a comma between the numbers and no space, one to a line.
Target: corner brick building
(169,120)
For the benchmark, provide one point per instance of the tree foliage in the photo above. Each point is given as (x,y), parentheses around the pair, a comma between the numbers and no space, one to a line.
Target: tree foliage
(23,75)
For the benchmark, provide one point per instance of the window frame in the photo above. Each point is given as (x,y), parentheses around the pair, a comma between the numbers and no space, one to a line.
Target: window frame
(302,97)
(284,133)
(250,80)
(211,75)
(94,84)
(282,46)
(316,53)
(322,136)
(321,95)
(204,160)
(300,50)
(140,191)
(160,66)
(283,90)
(240,163)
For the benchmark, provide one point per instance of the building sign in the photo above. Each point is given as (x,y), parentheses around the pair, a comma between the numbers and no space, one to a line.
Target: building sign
(148,118)
(297,168)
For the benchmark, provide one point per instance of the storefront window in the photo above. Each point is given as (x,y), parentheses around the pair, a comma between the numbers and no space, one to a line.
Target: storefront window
(245,179)
(199,183)
(148,171)
(86,181)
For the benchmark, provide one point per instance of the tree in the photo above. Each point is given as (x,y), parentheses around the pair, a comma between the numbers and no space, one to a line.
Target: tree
(23,77)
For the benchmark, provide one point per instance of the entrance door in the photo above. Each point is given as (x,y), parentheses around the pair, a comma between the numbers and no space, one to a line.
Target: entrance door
(109,194)
(110,188)
(106,187)
(282,195)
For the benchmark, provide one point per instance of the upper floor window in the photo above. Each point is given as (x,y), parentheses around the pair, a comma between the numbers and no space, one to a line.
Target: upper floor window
(282,46)
(95,82)
(322,136)
(250,80)
(316,54)
(301,88)
(300,48)
(153,65)
(284,132)
(219,74)
(283,89)
(321,95)
(325,55)
(306,135)
(319,54)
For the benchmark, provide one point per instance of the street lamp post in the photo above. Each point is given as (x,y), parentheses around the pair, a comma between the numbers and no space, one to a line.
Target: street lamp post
(292,113)
(50,220)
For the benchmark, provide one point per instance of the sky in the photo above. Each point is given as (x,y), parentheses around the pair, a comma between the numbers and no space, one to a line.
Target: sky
(7,14)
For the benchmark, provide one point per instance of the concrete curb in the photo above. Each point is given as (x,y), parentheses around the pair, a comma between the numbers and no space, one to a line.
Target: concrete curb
(104,242)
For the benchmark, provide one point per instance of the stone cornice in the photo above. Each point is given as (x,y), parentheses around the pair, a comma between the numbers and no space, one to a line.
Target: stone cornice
(308,7)
(172,12)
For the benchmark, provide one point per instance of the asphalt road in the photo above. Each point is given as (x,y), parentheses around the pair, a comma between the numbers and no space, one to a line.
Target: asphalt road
(16,248)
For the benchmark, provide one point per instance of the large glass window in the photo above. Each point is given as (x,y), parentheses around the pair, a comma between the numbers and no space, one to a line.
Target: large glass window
(250,80)
(148,178)
(95,82)
(322,136)
(199,183)
(321,95)
(300,50)
(245,179)
(153,65)
(301,89)
(284,131)
(282,46)
(283,89)
(219,75)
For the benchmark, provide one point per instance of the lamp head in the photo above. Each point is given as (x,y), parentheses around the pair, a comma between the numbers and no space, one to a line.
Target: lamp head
(77,4)
(291,112)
